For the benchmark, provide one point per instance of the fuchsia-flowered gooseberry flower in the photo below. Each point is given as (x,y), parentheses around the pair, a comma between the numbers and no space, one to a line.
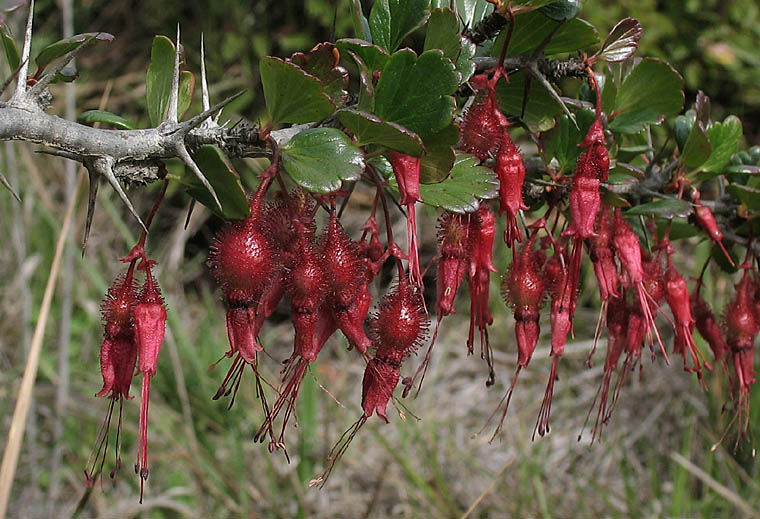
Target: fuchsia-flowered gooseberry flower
(706,220)
(619,325)
(678,299)
(482,128)
(482,233)
(741,327)
(628,251)
(118,357)
(707,325)
(511,172)
(555,272)
(523,288)
(398,328)
(406,168)
(150,327)
(454,245)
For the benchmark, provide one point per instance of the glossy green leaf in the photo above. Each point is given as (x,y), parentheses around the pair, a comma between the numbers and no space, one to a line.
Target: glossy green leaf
(63,47)
(610,199)
(390,21)
(469,11)
(652,91)
(697,148)
(622,41)
(725,138)
(533,27)
(366,86)
(748,196)
(681,129)
(158,81)
(664,208)
(359,21)
(415,92)
(101,116)
(291,94)
(439,158)
(677,229)
(461,191)
(742,168)
(562,10)
(373,56)
(186,91)
(443,33)
(322,62)
(541,108)
(370,129)
(225,181)
(320,159)
(562,141)
(464,64)
(12,53)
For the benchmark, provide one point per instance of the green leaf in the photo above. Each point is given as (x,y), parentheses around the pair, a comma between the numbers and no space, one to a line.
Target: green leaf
(652,91)
(443,33)
(101,116)
(742,168)
(439,158)
(320,159)
(610,199)
(622,41)
(366,86)
(292,95)
(370,129)
(158,81)
(533,27)
(541,108)
(682,129)
(322,63)
(372,56)
(390,21)
(562,141)
(63,47)
(461,191)
(677,229)
(416,92)
(749,196)
(664,208)
(725,138)
(11,49)
(225,181)
(464,64)
(562,10)
(186,91)
(359,21)
(470,11)
(697,148)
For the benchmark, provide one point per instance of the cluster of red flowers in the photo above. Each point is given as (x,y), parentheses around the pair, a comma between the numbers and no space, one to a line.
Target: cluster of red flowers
(278,253)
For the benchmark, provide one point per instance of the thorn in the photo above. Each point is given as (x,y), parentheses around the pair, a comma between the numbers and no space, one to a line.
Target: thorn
(9,187)
(183,154)
(24,69)
(104,166)
(171,114)
(205,99)
(189,212)
(91,197)
(198,119)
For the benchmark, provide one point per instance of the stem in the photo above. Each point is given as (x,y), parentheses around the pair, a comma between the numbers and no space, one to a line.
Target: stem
(389,230)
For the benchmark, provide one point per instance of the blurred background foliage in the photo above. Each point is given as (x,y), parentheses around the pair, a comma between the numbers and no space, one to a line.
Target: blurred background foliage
(655,459)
